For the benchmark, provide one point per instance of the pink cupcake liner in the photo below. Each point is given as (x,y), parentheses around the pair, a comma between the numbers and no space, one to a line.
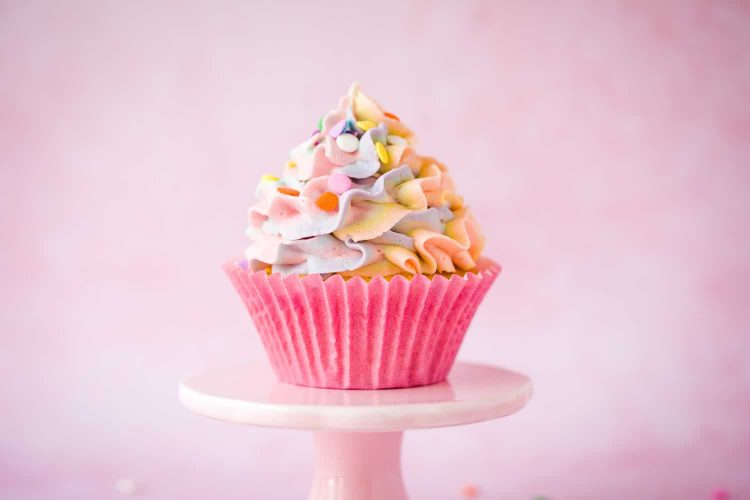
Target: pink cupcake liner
(355,334)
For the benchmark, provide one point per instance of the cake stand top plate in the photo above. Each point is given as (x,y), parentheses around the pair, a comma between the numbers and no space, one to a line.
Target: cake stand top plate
(251,394)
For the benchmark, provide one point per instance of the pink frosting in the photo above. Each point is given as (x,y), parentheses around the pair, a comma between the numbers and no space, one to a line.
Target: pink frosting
(380,209)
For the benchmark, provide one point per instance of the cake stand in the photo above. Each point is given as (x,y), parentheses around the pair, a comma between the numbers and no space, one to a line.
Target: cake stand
(358,434)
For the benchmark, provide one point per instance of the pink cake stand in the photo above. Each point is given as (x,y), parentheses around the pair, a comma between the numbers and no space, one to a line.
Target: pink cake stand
(358,434)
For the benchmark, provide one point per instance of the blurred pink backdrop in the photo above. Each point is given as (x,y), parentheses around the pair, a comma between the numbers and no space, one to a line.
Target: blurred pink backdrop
(605,147)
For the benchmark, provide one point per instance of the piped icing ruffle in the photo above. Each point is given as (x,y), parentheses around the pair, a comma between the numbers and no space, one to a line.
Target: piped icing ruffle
(356,199)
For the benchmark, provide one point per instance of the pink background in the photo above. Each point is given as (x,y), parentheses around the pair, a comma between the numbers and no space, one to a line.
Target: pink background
(605,147)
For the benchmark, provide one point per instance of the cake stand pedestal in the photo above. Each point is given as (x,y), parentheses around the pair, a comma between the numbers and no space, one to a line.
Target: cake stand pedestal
(358,434)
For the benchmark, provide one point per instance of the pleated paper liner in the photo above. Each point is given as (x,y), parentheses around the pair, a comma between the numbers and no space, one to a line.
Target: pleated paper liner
(357,334)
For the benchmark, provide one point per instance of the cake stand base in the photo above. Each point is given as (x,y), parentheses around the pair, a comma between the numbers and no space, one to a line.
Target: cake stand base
(358,434)
(358,465)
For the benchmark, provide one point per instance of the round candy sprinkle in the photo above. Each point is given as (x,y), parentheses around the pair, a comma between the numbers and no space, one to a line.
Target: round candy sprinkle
(291,164)
(337,129)
(339,183)
(366,125)
(268,178)
(382,153)
(392,116)
(347,143)
(328,201)
(397,140)
(720,494)
(287,191)
(127,487)
(469,491)
(350,127)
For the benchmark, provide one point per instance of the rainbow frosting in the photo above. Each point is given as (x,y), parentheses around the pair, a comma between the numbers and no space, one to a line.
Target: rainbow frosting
(356,199)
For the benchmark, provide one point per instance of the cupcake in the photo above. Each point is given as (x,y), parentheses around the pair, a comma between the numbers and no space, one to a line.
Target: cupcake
(364,267)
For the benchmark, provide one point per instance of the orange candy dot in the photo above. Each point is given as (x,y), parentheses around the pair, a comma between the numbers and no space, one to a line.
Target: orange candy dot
(328,201)
(391,116)
(469,491)
(289,191)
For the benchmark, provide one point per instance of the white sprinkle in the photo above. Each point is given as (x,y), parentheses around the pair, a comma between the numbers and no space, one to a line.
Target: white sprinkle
(396,140)
(347,143)
(127,486)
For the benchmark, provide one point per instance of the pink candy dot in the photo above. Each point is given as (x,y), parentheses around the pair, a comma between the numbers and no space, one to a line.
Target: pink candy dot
(339,183)
(720,494)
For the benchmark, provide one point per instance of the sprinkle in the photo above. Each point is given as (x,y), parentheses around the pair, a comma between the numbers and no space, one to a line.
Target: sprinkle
(287,191)
(337,129)
(366,125)
(268,178)
(243,264)
(382,153)
(720,494)
(313,141)
(397,140)
(339,183)
(469,491)
(127,487)
(350,127)
(347,143)
(328,201)
(320,124)
(291,164)
(392,116)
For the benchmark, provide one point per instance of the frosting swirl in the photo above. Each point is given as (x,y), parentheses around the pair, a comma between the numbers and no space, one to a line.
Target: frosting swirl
(356,199)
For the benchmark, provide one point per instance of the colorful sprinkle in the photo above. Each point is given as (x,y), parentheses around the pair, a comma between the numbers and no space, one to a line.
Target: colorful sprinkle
(382,153)
(320,124)
(291,164)
(328,201)
(350,127)
(337,129)
(347,143)
(128,487)
(392,116)
(397,140)
(469,491)
(366,125)
(287,191)
(339,183)
(268,178)
(243,264)
(720,494)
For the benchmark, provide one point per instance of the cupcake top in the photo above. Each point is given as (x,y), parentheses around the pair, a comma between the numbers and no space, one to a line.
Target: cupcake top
(356,199)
